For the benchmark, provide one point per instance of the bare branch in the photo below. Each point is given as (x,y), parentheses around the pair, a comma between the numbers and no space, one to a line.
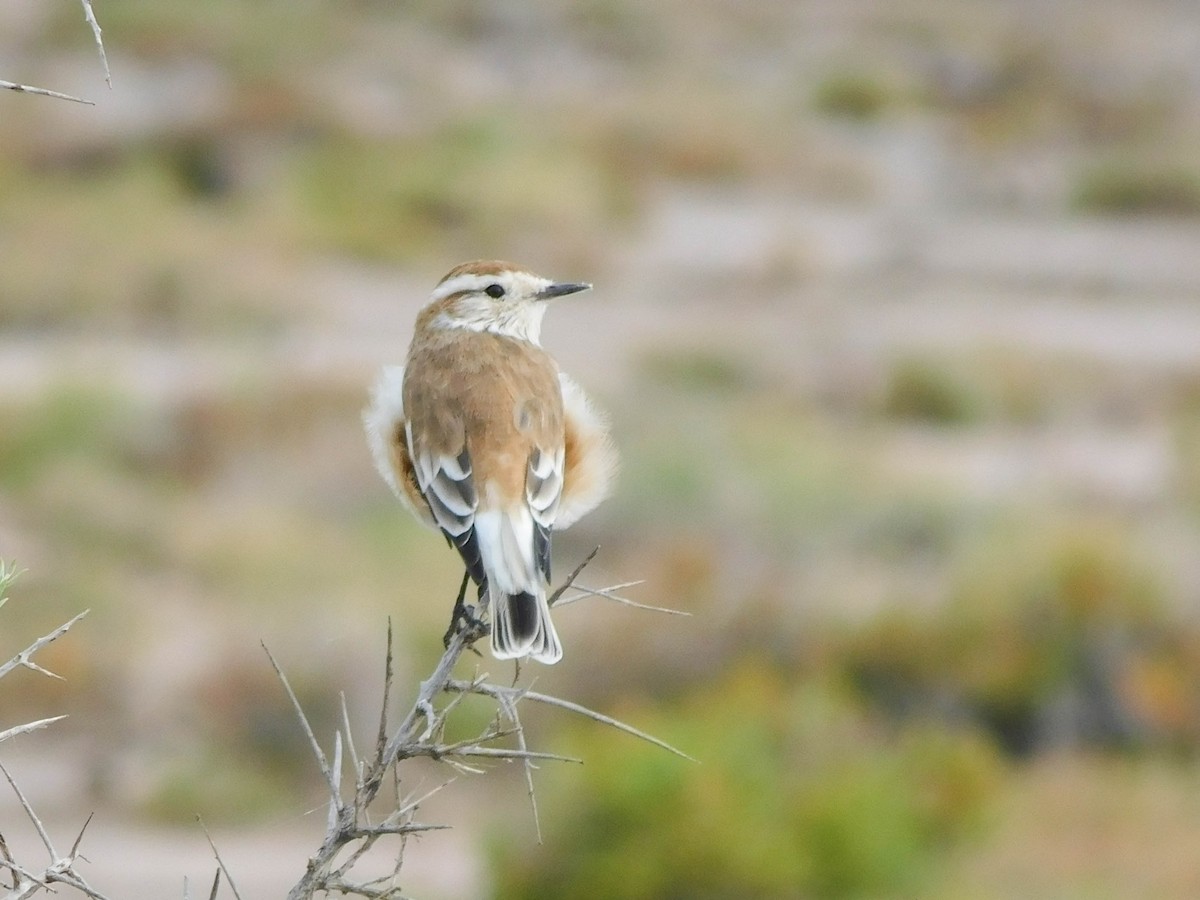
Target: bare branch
(610,594)
(335,787)
(430,688)
(25,881)
(410,828)
(90,17)
(362,890)
(220,862)
(409,807)
(349,740)
(388,675)
(59,870)
(330,779)
(421,733)
(25,657)
(475,751)
(492,690)
(79,837)
(590,592)
(557,595)
(67,875)
(28,727)
(91,20)
(30,89)
(509,706)
(37,823)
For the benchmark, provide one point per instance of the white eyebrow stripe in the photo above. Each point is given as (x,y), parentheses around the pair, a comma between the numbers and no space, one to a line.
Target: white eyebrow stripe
(468,281)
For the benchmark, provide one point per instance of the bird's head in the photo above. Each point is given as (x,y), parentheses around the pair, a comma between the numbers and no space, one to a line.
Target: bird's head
(494,296)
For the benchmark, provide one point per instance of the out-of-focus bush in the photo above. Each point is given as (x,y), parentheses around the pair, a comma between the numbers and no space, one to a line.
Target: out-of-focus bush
(1129,188)
(241,762)
(701,371)
(459,187)
(1056,637)
(924,391)
(993,385)
(797,793)
(66,423)
(1186,427)
(852,95)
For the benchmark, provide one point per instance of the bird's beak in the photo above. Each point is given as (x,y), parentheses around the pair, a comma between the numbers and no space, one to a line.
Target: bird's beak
(561,290)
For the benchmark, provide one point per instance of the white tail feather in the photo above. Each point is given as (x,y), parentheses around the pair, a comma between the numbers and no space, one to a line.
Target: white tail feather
(515,636)
(521,623)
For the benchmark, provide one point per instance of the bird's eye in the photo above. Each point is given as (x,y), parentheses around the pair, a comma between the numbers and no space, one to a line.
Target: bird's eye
(494,291)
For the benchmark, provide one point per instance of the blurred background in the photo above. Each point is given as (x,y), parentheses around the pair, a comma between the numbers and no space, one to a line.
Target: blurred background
(896,317)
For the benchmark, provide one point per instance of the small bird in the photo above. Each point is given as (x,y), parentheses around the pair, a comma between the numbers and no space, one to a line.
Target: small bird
(481,436)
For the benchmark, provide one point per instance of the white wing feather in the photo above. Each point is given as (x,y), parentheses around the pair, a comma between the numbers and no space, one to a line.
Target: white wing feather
(595,471)
(448,487)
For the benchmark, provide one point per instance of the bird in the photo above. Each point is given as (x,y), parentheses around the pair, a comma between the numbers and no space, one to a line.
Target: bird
(482,436)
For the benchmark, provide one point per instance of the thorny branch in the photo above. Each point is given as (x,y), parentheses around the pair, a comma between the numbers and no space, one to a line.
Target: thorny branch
(25,880)
(25,657)
(221,870)
(90,17)
(351,833)
(30,89)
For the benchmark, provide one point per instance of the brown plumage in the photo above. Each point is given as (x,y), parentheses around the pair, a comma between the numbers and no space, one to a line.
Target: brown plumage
(481,436)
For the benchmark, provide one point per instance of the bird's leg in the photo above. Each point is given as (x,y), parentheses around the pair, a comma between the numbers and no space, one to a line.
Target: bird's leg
(460,609)
(473,627)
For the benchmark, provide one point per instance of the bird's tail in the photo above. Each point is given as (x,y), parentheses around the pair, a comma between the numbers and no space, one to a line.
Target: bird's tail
(521,626)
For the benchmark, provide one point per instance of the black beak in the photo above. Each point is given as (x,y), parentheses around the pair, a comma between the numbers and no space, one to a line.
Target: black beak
(561,290)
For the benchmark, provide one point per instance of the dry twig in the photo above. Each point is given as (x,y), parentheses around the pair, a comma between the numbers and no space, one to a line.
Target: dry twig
(29,880)
(350,833)
(26,880)
(89,16)
(30,89)
(221,870)
(28,727)
(25,657)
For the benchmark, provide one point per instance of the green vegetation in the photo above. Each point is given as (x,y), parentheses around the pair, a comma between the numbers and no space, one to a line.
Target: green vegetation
(1056,635)
(247,40)
(995,386)
(222,790)
(852,95)
(1185,425)
(925,392)
(1131,188)
(458,187)
(172,272)
(702,371)
(796,793)
(80,423)
(914,566)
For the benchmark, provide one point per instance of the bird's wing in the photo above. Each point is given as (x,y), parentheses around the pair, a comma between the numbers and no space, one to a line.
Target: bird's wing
(446,482)
(590,463)
(543,490)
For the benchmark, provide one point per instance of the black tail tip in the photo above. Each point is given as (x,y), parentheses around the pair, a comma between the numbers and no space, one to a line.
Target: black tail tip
(521,626)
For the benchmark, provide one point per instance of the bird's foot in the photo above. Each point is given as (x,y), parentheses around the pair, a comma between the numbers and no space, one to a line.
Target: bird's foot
(467,623)
(465,620)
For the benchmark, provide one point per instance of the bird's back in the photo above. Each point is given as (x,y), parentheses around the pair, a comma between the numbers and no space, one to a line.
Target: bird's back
(497,396)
